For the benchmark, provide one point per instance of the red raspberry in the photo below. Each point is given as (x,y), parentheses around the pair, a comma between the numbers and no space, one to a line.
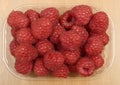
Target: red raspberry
(26,52)
(24,36)
(85,66)
(103,37)
(17,19)
(94,46)
(72,68)
(39,68)
(32,15)
(82,32)
(57,31)
(70,40)
(41,28)
(13,32)
(98,61)
(53,60)
(71,57)
(44,46)
(67,20)
(50,13)
(99,23)
(13,46)
(82,14)
(87,28)
(62,72)
(23,67)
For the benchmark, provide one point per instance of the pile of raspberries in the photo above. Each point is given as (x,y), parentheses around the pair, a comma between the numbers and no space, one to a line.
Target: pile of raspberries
(48,43)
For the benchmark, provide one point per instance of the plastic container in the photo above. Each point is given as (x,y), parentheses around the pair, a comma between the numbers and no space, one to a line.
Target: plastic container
(9,60)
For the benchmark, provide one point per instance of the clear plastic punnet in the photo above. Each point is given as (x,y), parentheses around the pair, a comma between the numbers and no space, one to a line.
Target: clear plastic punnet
(9,60)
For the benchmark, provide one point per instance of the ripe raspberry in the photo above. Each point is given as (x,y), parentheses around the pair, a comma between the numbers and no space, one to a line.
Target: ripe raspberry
(23,67)
(57,31)
(39,68)
(32,15)
(82,32)
(41,28)
(99,23)
(53,60)
(87,28)
(44,46)
(72,68)
(13,46)
(62,72)
(82,14)
(13,32)
(103,37)
(94,46)
(17,19)
(26,52)
(98,61)
(71,57)
(50,13)
(67,20)
(70,40)
(85,66)
(24,36)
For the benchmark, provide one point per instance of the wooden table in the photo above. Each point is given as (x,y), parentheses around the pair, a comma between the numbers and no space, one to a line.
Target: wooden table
(111,77)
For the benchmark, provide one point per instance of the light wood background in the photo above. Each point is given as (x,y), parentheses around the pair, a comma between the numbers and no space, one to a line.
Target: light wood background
(111,77)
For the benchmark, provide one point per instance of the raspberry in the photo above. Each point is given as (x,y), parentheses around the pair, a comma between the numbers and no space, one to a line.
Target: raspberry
(94,46)
(39,68)
(17,20)
(32,15)
(26,52)
(24,36)
(44,46)
(46,42)
(70,40)
(41,28)
(13,32)
(50,13)
(57,31)
(98,61)
(53,60)
(67,20)
(85,66)
(71,57)
(103,37)
(99,23)
(13,46)
(62,72)
(82,32)
(82,14)
(87,28)
(72,68)
(23,67)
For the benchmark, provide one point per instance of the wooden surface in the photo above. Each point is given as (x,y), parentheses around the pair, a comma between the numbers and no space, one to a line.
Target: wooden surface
(111,77)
